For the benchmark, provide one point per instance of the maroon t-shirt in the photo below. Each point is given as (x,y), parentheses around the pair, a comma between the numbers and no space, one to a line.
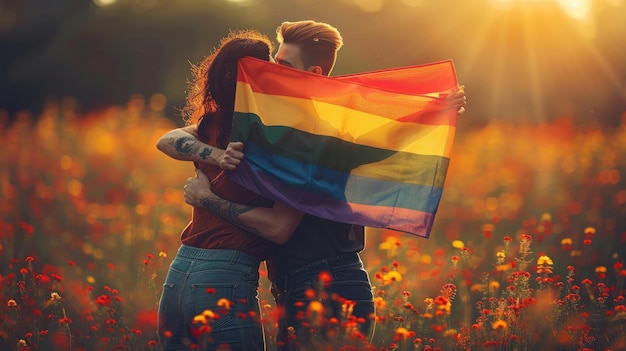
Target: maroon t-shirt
(208,231)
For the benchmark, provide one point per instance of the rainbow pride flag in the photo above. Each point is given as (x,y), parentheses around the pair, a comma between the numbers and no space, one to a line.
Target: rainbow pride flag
(371,149)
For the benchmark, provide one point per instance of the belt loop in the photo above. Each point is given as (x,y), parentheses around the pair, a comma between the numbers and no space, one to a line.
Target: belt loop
(233,258)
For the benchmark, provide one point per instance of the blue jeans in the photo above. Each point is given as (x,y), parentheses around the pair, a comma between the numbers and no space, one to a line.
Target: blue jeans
(200,280)
(348,281)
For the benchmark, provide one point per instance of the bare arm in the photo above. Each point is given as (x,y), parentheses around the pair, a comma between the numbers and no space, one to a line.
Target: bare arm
(182,144)
(275,224)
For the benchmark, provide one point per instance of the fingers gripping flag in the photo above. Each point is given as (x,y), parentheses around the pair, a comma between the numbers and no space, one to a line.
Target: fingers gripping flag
(371,149)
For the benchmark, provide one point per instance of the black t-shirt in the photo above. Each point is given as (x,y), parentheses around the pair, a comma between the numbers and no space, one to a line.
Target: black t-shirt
(314,239)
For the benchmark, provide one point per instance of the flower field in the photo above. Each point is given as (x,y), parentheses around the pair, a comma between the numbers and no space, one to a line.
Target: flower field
(526,253)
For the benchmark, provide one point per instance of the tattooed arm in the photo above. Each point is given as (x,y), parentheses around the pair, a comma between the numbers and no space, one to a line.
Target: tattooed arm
(275,224)
(182,144)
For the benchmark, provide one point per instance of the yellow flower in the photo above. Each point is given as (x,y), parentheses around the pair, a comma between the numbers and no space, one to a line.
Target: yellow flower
(494,285)
(503,267)
(379,302)
(390,245)
(393,276)
(499,324)
(208,314)
(224,303)
(162,254)
(601,269)
(545,260)
(426,259)
(199,319)
(575,253)
(566,241)
(403,332)
(476,287)
(446,307)
(458,244)
(500,256)
(205,317)
(450,332)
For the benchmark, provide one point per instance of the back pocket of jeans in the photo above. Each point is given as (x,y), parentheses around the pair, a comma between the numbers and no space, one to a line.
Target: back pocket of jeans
(214,301)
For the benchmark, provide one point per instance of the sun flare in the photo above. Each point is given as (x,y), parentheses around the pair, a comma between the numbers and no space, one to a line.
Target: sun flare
(547,53)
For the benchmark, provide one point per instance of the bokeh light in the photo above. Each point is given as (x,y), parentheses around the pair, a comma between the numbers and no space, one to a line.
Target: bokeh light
(577,9)
(104,2)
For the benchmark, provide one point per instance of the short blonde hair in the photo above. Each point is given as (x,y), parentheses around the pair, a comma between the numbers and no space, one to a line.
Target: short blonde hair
(318,42)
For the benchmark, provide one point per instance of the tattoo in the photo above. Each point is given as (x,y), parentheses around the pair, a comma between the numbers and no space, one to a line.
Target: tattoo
(206,152)
(185,145)
(189,146)
(229,211)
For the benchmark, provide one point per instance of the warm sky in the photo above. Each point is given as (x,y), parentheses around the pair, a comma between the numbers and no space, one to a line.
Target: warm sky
(520,60)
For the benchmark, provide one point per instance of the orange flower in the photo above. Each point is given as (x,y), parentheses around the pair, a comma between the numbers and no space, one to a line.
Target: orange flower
(499,324)
(402,333)
(224,303)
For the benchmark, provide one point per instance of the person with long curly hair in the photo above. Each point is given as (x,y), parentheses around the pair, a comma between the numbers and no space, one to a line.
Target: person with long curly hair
(209,297)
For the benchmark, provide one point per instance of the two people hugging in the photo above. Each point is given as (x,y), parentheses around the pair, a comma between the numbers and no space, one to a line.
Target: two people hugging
(233,230)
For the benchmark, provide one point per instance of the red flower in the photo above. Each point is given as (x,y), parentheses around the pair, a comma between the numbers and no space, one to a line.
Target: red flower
(153,343)
(325,278)
(146,319)
(104,300)
(43,279)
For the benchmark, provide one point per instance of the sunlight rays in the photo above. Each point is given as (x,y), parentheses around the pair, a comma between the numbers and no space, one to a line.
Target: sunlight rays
(611,73)
(530,34)
(499,67)
(542,59)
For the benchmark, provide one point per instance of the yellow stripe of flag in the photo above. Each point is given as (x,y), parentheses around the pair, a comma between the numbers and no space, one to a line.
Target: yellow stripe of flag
(321,118)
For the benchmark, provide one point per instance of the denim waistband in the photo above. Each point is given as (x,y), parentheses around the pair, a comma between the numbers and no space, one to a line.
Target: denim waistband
(330,264)
(232,256)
